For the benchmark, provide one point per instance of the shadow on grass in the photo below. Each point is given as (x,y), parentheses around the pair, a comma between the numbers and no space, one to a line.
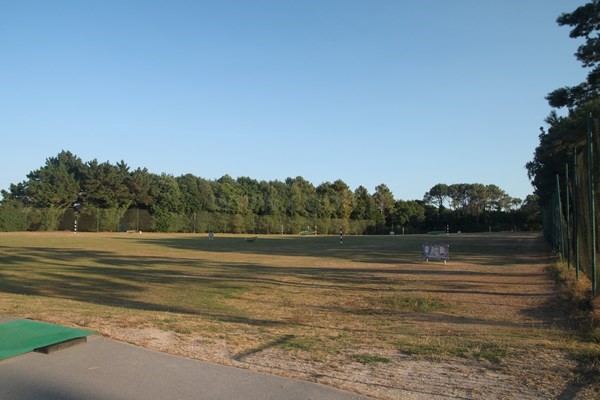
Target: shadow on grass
(281,341)
(197,287)
(491,250)
(128,282)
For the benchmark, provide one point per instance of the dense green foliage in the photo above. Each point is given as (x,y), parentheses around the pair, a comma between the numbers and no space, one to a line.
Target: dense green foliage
(567,135)
(584,21)
(107,197)
(476,207)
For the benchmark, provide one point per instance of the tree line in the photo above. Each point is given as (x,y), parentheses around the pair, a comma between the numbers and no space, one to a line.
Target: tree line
(566,136)
(66,185)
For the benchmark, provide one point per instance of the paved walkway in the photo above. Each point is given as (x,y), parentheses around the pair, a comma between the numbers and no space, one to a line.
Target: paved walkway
(104,369)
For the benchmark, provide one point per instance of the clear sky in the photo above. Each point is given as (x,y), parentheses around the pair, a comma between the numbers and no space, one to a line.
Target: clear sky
(409,93)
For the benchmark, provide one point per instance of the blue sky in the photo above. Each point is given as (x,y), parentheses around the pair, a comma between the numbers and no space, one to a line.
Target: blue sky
(406,93)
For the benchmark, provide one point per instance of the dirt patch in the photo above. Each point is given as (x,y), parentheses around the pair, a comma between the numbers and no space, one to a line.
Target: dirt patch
(545,375)
(151,338)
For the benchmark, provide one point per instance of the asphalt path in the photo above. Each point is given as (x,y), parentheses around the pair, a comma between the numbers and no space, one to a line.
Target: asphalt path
(104,369)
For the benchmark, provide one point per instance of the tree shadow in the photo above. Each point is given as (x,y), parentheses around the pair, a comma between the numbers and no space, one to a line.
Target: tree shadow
(488,250)
(113,279)
(101,277)
(282,340)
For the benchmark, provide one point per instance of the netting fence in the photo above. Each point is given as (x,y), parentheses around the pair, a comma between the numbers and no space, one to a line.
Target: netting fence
(571,217)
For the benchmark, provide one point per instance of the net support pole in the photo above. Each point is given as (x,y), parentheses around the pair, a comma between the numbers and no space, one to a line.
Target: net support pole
(575,215)
(561,233)
(567,215)
(591,199)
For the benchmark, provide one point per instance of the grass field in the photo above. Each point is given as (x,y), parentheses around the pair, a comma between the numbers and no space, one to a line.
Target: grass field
(350,315)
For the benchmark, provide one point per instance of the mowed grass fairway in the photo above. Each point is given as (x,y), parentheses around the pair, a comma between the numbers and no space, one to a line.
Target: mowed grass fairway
(368,315)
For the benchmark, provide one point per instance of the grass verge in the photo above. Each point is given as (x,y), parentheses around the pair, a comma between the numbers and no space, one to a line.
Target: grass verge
(584,311)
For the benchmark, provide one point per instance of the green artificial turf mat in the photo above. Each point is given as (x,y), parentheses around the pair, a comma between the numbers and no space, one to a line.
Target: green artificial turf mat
(23,336)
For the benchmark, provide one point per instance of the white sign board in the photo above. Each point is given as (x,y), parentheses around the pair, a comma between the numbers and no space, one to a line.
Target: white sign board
(435,252)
